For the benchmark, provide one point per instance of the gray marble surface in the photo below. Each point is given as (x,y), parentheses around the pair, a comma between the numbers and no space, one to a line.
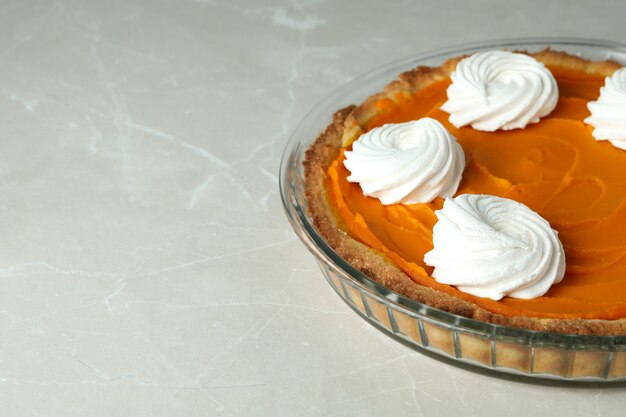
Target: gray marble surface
(147,268)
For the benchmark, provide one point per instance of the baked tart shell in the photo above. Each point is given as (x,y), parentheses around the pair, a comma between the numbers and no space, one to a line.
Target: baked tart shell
(346,126)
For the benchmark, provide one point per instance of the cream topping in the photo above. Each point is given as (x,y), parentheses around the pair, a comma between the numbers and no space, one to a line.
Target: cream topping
(408,163)
(608,113)
(494,247)
(500,90)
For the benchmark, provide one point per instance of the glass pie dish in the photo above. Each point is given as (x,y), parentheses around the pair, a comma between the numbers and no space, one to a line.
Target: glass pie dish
(460,339)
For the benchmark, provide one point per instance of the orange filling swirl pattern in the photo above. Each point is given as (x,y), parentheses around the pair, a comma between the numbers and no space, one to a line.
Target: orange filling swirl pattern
(555,167)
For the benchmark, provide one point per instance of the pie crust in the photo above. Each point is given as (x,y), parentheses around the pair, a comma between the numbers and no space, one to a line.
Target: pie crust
(347,124)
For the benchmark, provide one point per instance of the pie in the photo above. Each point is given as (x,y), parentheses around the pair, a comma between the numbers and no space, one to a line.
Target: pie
(555,167)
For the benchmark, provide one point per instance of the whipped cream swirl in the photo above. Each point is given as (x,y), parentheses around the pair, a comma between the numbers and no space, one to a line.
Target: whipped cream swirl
(494,247)
(608,114)
(408,163)
(500,90)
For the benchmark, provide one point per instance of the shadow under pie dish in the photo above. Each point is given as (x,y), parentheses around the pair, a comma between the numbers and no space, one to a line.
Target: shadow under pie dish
(379,275)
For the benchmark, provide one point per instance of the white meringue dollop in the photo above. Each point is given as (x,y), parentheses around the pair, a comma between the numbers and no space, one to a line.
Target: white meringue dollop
(408,163)
(608,113)
(494,247)
(500,90)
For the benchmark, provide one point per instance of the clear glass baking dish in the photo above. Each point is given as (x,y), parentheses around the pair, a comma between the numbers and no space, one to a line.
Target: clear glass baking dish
(462,340)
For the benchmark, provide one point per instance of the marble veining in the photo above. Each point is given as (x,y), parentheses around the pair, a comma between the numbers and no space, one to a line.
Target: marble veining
(147,268)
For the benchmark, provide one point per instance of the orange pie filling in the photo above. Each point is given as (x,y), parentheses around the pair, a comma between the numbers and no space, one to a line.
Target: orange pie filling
(555,167)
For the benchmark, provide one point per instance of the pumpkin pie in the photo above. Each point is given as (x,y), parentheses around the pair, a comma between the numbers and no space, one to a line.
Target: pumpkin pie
(554,166)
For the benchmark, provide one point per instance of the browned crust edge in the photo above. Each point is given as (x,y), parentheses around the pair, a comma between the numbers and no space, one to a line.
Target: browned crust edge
(374,264)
